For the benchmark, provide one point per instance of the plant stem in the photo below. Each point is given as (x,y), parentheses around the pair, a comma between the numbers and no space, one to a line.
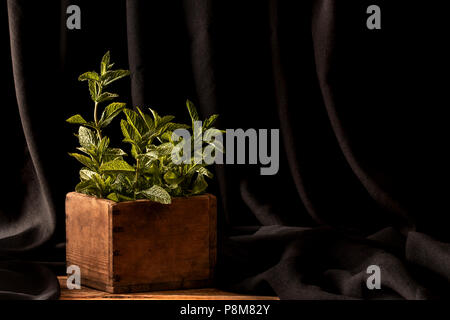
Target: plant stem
(136,178)
(137,171)
(95,113)
(96,121)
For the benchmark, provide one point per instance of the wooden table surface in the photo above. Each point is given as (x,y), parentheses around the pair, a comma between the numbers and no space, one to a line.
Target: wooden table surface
(193,294)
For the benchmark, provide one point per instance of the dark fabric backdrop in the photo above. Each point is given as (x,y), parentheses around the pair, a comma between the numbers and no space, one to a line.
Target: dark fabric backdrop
(363,173)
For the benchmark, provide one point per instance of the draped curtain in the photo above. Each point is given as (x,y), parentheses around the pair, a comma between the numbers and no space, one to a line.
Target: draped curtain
(363,135)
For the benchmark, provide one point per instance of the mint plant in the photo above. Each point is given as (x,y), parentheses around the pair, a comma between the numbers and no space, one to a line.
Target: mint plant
(152,174)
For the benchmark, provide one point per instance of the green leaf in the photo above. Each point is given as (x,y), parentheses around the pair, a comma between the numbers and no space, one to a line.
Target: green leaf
(117,197)
(106,96)
(113,196)
(200,185)
(145,160)
(88,162)
(93,89)
(126,130)
(157,194)
(210,121)
(116,166)
(162,150)
(174,126)
(192,111)
(205,172)
(87,138)
(88,187)
(110,112)
(104,65)
(86,174)
(135,151)
(172,178)
(90,152)
(90,75)
(154,170)
(122,184)
(135,121)
(103,145)
(99,182)
(80,187)
(167,136)
(156,117)
(114,152)
(190,169)
(113,75)
(76,119)
(165,120)
(131,135)
(147,119)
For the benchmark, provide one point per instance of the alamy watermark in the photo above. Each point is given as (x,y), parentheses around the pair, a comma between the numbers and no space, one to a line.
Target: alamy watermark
(74,19)
(374,280)
(73,277)
(241,147)
(374,20)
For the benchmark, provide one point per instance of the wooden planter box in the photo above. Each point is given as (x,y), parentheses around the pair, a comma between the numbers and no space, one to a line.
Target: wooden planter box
(142,245)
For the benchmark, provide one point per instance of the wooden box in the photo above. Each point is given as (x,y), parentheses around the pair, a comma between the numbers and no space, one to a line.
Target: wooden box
(142,245)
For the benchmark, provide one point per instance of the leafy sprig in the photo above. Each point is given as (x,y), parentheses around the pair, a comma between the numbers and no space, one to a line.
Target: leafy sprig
(152,175)
(97,84)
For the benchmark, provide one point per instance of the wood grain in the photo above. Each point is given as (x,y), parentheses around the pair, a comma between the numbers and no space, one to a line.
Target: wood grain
(193,294)
(142,245)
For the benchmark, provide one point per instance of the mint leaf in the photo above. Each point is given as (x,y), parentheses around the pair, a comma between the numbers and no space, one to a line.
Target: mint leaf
(87,138)
(157,194)
(156,117)
(88,187)
(117,197)
(174,126)
(90,75)
(116,166)
(113,75)
(200,185)
(172,178)
(192,111)
(110,112)
(104,64)
(76,119)
(205,172)
(210,121)
(147,120)
(135,121)
(105,96)
(88,162)
(86,174)
(113,196)
(93,89)
(114,152)
(130,133)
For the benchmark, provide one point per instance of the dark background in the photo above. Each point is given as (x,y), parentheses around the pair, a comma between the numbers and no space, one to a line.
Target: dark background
(362,114)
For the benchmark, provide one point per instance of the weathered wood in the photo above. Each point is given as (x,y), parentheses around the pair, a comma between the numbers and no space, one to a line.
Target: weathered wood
(142,245)
(193,294)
